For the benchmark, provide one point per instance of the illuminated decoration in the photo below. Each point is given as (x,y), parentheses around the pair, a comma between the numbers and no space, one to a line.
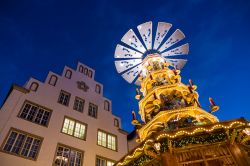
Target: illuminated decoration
(172,118)
(131,52)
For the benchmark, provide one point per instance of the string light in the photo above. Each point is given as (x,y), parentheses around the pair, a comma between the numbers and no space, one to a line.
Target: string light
(145,129)
(176,134)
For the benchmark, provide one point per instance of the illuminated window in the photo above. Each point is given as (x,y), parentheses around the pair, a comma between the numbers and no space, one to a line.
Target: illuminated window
(98,88)
(68,74)
(35,113)
(67,156)
(74,128)
(64,98)
(34,86)
(92,110)
(79,104)
(53,80)
(106,105)
(107,140)
(22,144)
(100,161)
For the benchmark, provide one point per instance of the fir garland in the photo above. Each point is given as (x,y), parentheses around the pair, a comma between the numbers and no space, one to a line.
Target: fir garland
(206,138)
(247,142)
(141,160)
(164,145)
(201,139)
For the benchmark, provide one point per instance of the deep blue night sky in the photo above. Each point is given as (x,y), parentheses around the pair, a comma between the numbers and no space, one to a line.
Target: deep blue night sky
(41,35)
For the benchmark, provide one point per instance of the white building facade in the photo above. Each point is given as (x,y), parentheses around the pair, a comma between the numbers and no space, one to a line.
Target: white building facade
(64,121)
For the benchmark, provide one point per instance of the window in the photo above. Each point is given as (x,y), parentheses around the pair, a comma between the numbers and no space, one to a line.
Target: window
(53,80)
(81,69)
(116,122)
(98,88)
(22,144)
(64,98)
(100,161)
(67,156)
(106,105)
(34,113)
(34,86)
(93,110)
(107,140)
(68,74)
(90,73)
(79,104)
(85,71)
(74,128)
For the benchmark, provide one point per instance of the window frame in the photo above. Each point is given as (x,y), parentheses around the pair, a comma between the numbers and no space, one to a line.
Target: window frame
(96,110)
(90,73)
(70,75)
(78,98)
(103,158)
(98,91)
(108,105)
(38,106)
(85,71)
(65,92)
(81,68)
(34,83)
(53,75)
(108,133)
(70,148)
(118,123)
(27,134)
(75,121)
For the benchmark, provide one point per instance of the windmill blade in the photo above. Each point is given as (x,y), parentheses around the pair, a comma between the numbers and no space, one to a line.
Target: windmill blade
(130,75)
(181,50)
(132,40)
(124,52)
(177,63)
(162,30)
(145,31)
(123,65)
(177,36)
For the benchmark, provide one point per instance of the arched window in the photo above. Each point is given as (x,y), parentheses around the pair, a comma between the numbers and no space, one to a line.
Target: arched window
(80,69)
(85,71)
(98,88)
(68,74)
(53,80)
(116,122)
(34,86)
(90,73)
(106,105)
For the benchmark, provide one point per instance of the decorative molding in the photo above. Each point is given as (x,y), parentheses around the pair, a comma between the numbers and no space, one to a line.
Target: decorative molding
(82,85)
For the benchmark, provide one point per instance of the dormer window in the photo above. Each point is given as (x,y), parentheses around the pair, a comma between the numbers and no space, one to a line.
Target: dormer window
(68,74)
(34,86)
